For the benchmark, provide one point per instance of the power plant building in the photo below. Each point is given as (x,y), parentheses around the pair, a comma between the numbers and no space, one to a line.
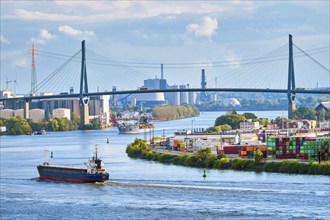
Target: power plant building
(184,97)
(192,98)
(148,100)
(173,97)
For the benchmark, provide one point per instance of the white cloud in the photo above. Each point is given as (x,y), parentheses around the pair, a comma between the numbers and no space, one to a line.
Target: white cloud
(105,11)
(44,34)
(206,29)
(41,16)
(75,33)
(4,40)
(43,37)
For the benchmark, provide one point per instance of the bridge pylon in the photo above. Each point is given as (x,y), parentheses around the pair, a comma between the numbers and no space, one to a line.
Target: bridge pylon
(26,109)
(83,99)
(291,82)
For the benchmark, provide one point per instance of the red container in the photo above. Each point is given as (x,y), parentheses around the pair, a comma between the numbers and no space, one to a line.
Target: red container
(230,149)
(270,152)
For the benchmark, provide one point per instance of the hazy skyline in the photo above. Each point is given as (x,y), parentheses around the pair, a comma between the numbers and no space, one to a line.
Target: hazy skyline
(155,32)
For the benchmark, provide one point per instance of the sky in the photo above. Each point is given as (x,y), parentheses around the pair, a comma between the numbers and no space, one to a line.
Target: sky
(155,32)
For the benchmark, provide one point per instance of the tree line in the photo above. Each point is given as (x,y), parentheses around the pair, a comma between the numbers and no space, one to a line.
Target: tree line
(163,113)
(262,104)
(18,125)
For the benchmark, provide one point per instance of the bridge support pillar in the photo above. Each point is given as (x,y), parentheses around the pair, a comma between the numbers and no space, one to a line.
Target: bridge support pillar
(84,114)
(291,108)
(26,110)
(291,81)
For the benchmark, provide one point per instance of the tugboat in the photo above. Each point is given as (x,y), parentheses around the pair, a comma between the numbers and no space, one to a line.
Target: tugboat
(94,172)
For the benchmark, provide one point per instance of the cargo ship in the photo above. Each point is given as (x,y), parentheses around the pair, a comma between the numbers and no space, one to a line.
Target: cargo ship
(94,171)
(133,125)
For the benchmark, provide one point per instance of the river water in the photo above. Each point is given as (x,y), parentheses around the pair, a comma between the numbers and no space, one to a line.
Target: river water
(140,189)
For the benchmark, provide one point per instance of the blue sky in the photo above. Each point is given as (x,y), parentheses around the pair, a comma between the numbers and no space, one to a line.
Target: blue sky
(156,32)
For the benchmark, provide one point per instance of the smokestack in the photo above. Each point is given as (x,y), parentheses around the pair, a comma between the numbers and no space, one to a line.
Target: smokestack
(203,81)
(161,71)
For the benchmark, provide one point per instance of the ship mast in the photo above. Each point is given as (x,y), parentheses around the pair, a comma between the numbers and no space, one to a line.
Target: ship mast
(96,145)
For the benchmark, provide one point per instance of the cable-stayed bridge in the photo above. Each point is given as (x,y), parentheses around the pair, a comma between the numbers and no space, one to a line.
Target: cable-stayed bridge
(287,69)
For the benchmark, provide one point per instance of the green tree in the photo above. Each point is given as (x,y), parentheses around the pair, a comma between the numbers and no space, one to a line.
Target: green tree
(17,125)
(304,113)
(203,153)
(96,123)
(137,148)
(64,124)
(258,157)
(225,127)
(2,122)
(264,121)
(249,115)
(37,126)
(75,118)
(231,119)
(52,125)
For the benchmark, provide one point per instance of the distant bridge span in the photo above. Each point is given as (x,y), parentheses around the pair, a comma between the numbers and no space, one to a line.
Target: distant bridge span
(246,90)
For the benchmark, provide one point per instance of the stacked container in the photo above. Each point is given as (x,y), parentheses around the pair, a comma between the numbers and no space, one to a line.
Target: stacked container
(312,148)
(303,148)
(247,151)
(230,149)
(263,149)
(271,148)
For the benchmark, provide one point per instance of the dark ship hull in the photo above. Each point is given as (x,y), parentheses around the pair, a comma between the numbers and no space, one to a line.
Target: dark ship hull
(70,174)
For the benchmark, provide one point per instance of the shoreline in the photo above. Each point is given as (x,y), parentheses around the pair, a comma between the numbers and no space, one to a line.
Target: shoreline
(204,159)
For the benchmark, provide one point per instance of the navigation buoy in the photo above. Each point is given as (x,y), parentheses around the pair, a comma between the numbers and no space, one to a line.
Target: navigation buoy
(204,175)
(51,154)
(107,140)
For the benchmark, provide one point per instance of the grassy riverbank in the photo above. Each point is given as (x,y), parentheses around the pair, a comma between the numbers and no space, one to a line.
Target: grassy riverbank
(204,159)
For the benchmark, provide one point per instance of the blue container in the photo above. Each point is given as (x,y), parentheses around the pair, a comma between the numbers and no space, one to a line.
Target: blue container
(297,147)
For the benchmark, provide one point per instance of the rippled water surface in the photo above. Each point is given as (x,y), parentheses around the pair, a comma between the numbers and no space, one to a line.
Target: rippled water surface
(140,189)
